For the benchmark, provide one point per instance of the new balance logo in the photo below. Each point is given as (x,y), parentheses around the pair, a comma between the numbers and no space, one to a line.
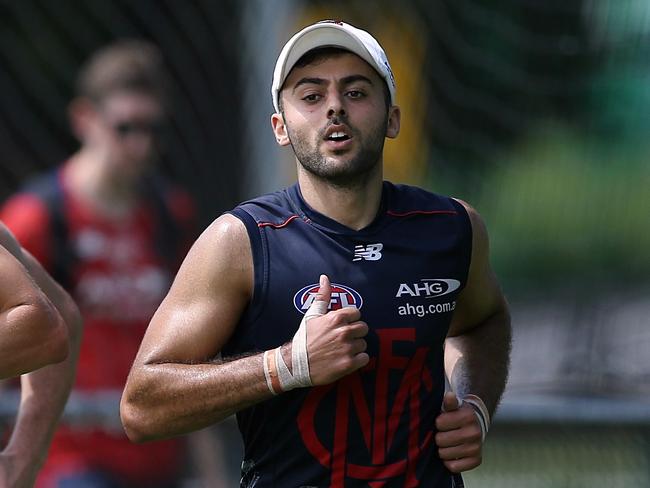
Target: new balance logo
(371,252)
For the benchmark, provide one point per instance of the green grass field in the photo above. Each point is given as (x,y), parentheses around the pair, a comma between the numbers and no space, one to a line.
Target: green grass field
(564,456)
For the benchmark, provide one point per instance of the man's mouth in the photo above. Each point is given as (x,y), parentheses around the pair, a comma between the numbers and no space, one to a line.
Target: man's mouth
(337,134)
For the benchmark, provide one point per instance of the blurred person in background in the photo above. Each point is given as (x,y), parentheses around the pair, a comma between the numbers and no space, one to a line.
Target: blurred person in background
(324,398)
(40,333)
(113,232)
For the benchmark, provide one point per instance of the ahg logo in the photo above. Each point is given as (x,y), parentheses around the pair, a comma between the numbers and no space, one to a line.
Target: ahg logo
(428,288)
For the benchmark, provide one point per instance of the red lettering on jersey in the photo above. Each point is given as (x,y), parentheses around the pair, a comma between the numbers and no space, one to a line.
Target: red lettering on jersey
(378,425)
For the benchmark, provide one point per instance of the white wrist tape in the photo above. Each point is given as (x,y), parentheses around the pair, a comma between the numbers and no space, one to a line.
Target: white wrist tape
(481,412)
(299,377)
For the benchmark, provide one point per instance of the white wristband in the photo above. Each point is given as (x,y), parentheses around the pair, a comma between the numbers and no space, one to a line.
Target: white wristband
(481,411)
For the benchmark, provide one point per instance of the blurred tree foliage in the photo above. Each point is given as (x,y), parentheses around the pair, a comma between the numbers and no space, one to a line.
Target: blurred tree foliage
(552,137)
(565,211)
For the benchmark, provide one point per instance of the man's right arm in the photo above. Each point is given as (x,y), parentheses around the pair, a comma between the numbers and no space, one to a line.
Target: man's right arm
(176,386)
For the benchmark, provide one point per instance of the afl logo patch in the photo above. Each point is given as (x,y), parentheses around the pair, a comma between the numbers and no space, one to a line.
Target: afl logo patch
(342,296)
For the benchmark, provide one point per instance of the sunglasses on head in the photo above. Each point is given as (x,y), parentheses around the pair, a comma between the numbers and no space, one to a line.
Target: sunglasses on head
(128,128)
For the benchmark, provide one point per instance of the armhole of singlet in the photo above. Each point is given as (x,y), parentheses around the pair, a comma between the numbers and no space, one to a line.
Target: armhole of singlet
(259,251)
(467,235)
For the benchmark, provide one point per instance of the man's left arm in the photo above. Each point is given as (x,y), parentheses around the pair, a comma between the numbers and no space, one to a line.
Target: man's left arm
(477,357)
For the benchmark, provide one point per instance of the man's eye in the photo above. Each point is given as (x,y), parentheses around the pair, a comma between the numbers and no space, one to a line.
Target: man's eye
(312,97)
(355,94)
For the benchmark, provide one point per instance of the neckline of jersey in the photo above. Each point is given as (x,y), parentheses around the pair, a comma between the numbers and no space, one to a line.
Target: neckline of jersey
(306,212)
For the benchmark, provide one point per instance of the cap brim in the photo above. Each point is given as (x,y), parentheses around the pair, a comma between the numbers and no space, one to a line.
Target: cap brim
(320,35)
(327,35)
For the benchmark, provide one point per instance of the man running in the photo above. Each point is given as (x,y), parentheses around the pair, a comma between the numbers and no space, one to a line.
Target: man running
(327,315)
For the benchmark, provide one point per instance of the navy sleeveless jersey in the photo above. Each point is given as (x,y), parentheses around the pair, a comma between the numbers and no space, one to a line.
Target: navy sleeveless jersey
(376,426)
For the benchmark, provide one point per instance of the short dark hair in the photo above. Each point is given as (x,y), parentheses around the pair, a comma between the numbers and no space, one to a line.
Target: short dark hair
(321,53)
(125,65)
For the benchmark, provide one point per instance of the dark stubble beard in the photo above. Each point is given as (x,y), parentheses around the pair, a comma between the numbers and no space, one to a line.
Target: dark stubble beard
(352,173)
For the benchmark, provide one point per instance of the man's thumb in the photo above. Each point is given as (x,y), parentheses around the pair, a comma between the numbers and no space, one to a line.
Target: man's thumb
(322,300)
(450,402)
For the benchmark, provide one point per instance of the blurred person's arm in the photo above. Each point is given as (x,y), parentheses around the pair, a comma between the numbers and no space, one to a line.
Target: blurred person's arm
(208,454)
(477,356)
(43,392)
(32,332)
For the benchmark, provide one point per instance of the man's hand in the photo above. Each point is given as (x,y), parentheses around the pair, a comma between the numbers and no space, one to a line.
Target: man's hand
(459,435)
(335,340)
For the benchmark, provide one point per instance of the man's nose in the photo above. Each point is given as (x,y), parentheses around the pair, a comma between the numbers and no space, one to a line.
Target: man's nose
(336,105)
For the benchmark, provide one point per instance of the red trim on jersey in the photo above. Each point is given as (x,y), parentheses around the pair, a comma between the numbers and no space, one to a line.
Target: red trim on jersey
(277,226)
(392,213)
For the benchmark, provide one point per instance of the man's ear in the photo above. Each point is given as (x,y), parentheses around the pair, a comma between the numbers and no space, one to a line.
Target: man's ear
(279,129)
(394,116)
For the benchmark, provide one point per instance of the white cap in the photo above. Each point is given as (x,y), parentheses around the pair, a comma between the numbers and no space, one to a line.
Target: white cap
(331,33)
